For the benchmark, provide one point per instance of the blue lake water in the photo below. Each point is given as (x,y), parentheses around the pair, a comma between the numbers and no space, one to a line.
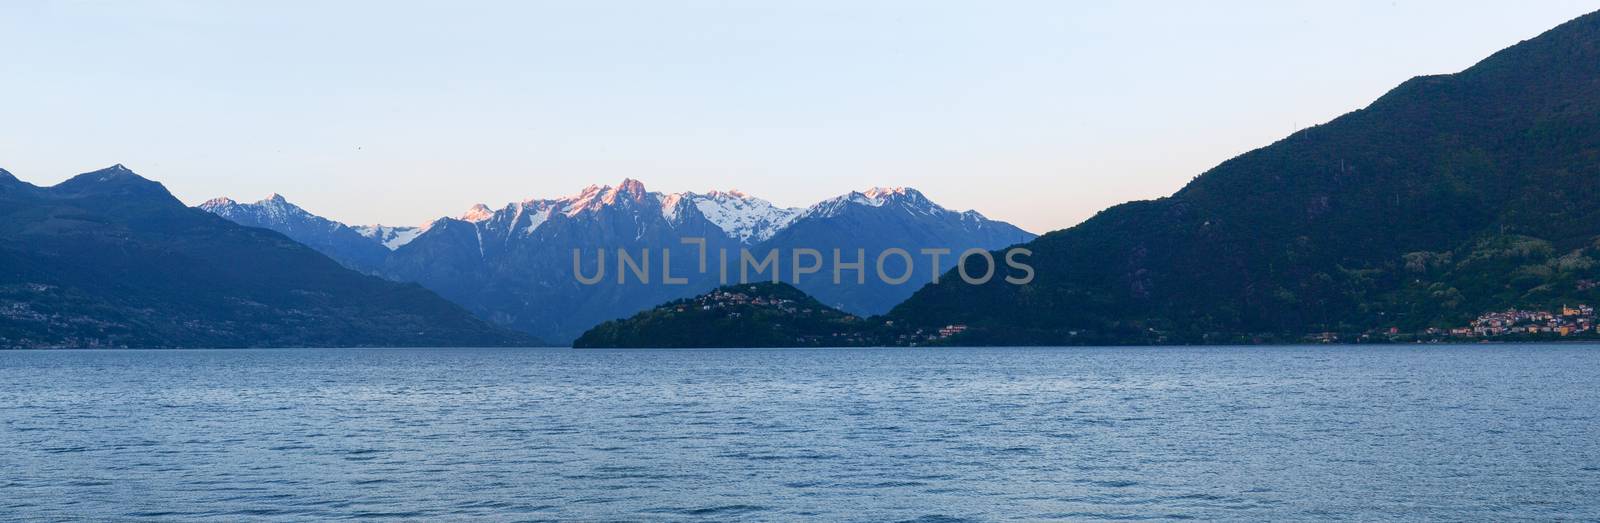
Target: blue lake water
(1253,433)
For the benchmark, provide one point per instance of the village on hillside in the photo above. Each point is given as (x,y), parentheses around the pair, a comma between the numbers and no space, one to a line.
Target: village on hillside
(1565,322)
(732,302)
(1509,324)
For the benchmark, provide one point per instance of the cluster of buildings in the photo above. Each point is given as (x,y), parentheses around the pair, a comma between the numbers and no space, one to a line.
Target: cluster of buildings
(1565,322)
(733,303)
(918,337)
(21,311)
(719,299)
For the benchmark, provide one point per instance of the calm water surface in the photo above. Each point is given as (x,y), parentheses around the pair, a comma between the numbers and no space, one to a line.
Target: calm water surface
(1260,433)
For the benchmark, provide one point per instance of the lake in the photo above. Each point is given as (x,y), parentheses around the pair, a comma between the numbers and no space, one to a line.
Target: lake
(1487,432)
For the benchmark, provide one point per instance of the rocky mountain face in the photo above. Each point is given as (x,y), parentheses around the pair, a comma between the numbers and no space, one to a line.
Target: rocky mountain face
(362,251)
(389,237)
(1449,196)
(111,259)
(514,265)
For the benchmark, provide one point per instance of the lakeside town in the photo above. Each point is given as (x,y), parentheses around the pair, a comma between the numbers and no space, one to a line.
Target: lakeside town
(1509,324)
(1564,322)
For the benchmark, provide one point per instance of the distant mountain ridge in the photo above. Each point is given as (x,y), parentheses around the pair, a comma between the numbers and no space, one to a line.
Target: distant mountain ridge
(111,259)
(513,264)
(740,217)
(347,245)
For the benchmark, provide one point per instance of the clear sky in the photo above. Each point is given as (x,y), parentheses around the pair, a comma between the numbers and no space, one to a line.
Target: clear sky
(1039,113)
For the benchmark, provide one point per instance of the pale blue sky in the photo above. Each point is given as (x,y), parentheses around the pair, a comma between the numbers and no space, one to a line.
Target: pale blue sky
(1039,113)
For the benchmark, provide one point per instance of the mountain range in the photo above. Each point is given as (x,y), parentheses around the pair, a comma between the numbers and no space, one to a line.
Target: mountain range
(111,259)
(1448,197)
(513,265)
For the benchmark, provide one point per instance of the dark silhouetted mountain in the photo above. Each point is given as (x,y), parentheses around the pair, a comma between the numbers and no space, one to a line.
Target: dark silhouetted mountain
(111,259)
(748,315)
(1448,196)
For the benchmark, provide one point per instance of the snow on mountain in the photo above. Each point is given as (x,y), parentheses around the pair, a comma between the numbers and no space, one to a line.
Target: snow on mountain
(909,199)
(390,237)
(534,221)
(879,219)
(744,218)
(354,248)
(477,213)
(222,202)
(272,210)
(513,264)
(741,217)
(516,219)
(594,198)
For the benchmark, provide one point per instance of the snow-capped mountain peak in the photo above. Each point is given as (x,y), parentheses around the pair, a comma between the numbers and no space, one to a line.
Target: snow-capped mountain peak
(595,197)
(116,173)
(909,199)
(741,217)
(631,188)
(359,248)
(889,192)
(734,193)
(744,218)
(882,195)
(672,203)
(477,213)
(273,208)
(277,208)
(590,198)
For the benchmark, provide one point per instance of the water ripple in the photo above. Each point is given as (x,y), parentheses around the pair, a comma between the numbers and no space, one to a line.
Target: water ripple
(949,435)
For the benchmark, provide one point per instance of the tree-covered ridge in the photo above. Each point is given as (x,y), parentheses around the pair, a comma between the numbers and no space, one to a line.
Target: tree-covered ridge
(748,315)
(1450,196)
(1446,290)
